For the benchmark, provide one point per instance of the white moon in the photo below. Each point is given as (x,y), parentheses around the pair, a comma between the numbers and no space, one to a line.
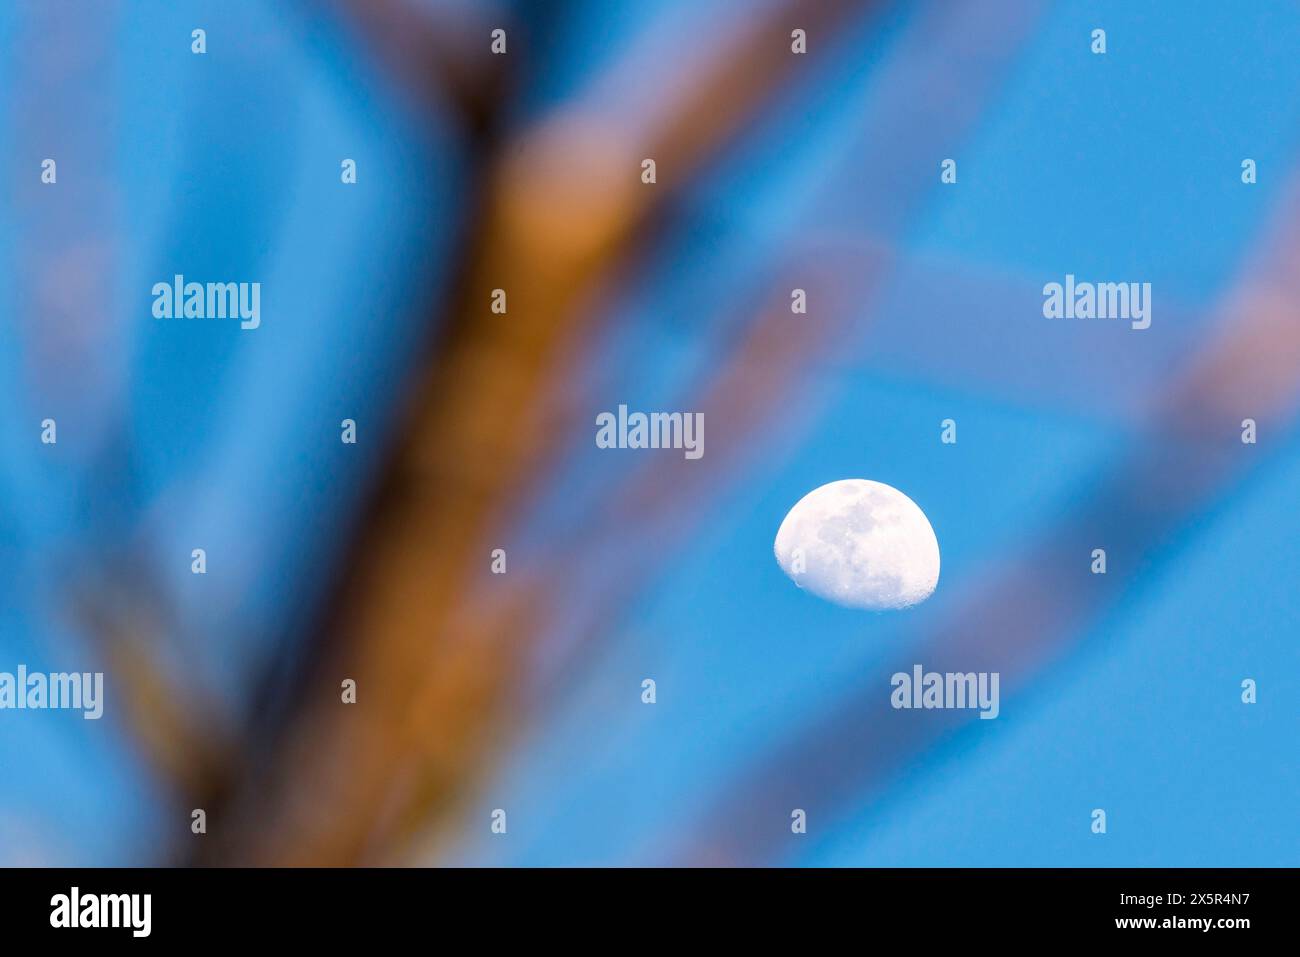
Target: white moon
(861,544)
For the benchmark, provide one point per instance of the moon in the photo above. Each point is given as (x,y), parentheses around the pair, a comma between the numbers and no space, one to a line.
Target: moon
(860,544)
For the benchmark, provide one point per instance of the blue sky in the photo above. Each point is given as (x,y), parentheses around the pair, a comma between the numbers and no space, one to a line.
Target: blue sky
(1120,167)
